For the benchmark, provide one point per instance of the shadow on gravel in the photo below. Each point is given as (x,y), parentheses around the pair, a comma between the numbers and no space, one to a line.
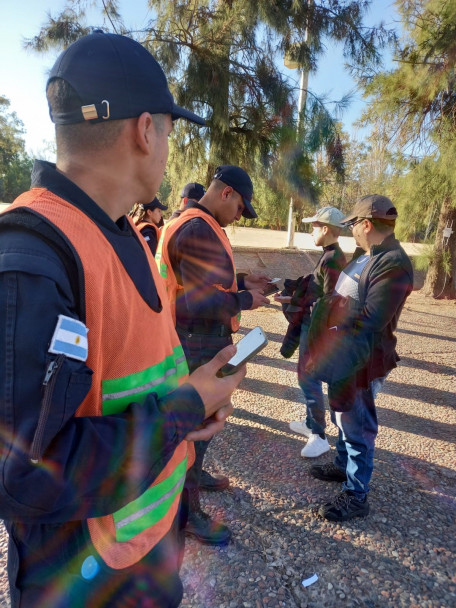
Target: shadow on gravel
(431,314)
(426,394)
(274,337)
(437,325)
(416,425)
(424,335)
(272,389)
(256,445)
(271,423)
(403,549)
(393,419)
(285,364)
(433,368)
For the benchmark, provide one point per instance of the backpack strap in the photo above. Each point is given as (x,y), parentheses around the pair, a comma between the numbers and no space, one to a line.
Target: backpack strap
(25,219)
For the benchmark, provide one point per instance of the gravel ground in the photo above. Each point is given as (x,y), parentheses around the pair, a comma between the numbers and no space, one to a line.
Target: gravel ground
(401,555)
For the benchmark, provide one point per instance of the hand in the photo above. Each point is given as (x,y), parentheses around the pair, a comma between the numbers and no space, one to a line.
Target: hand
(258,299)
(256,281)
(282,299)
(212,425)
(216,392)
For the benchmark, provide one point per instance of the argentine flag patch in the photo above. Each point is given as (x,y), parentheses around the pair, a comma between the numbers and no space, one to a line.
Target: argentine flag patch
(70,339)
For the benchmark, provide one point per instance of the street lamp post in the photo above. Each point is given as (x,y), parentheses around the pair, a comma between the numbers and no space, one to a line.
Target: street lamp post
(304,80)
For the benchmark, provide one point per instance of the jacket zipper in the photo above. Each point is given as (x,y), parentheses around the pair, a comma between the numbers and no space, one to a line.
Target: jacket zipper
(48,385)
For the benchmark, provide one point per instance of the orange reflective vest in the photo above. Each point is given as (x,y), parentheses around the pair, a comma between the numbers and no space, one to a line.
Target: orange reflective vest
(164,263)
(142,225)
(125,368)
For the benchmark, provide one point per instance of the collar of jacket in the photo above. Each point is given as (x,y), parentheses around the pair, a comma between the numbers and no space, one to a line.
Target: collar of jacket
(388,244)
(331,247)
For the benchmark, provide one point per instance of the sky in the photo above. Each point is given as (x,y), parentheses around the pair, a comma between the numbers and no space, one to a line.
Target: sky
(23,74)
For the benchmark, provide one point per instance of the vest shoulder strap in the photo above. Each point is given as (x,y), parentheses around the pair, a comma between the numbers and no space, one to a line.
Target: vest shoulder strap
(30,221)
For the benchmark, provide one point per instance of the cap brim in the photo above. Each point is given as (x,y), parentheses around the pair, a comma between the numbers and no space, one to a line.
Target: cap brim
(179,112)
(348,219)
(162,207)
(249,211)
(308,220)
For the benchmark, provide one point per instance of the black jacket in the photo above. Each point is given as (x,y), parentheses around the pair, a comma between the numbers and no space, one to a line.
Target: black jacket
(306,291)
(385,284)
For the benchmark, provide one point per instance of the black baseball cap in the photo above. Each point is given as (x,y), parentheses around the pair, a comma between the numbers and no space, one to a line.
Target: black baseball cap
(240,181)
(155,204)
(194,191)
(115,77)
(372,206)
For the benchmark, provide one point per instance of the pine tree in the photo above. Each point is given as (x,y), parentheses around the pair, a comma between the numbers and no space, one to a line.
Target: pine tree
(221,58)
(15,164)
(418,100)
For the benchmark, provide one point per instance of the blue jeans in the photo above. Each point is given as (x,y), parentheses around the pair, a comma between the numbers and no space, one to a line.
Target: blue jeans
(356,443)
(312,389)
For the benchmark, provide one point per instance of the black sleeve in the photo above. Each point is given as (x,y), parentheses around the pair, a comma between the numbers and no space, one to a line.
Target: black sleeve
(91,466)
(150,235)
(331,267)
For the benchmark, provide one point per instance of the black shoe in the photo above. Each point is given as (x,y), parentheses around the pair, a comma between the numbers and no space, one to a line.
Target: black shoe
(343,507)
(328,472)
(213,483)
(206,530)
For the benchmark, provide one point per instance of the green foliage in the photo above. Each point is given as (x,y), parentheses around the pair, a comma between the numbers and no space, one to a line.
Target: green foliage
(418,196)
(416,102)
(368,167)
(15,165)
(417,99)
(11,132)
(16,178)
(422,261)
(221,58)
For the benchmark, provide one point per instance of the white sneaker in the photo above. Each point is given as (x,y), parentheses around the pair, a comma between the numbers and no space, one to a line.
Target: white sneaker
(300,427)
(316,446)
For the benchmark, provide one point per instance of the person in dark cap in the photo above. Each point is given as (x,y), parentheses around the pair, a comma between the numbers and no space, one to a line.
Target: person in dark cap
(365,308)
(207,297)
(97,409)
(148,218)
(190,192)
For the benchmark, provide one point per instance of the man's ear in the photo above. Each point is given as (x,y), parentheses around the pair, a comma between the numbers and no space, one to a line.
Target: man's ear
(226,192)
(145,132)
(368,226)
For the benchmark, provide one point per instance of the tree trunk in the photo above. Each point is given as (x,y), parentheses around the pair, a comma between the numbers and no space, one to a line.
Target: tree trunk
(441,276)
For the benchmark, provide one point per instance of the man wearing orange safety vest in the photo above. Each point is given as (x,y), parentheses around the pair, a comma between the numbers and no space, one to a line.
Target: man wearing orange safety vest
(195,258)
(192,192)
(97,411)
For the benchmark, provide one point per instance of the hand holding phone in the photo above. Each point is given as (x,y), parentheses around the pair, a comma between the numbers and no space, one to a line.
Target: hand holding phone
(247,347)
(271,287)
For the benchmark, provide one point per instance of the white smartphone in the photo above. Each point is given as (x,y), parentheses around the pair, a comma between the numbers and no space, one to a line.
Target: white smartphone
(247,347)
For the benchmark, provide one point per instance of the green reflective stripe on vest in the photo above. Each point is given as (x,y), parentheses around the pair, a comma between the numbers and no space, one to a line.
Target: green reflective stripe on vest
(161,379)
(150,507)
(163,269)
